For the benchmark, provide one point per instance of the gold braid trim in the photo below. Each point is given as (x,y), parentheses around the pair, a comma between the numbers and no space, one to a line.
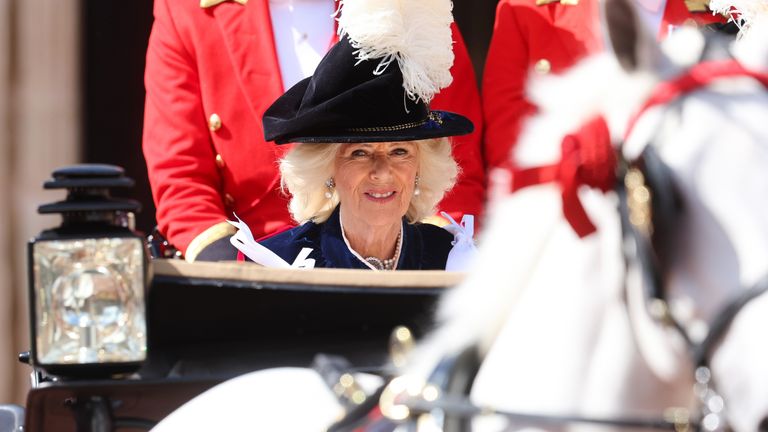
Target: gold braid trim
(208,3)
(205,238)
(436,220)
(697,5)
(431,116)
(389,128)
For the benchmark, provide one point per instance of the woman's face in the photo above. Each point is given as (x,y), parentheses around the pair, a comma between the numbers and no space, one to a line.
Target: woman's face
(375,182)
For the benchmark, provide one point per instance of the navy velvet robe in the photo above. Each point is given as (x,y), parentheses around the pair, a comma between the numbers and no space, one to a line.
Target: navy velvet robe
(425,246)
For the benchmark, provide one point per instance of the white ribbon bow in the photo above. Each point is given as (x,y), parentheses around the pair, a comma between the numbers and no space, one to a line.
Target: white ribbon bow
(464,249)
(244,242)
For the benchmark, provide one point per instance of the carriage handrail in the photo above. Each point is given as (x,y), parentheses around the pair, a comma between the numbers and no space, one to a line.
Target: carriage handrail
(238,271)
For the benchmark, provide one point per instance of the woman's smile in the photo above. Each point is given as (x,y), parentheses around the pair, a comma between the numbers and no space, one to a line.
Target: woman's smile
(380,197)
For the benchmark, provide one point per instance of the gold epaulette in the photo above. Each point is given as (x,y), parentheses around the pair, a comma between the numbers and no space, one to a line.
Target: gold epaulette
(209,3)
(697,5)
(436,220)
(562,2)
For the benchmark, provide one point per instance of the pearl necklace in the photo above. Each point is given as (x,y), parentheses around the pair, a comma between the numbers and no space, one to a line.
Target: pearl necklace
(389,263)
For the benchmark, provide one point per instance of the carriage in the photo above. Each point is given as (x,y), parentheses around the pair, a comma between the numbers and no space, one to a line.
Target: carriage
(154,332)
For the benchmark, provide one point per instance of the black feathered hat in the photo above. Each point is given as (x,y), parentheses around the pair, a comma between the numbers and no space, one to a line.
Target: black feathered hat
(375,84)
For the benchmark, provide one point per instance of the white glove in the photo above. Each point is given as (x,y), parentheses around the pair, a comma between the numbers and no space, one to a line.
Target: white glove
(464,249)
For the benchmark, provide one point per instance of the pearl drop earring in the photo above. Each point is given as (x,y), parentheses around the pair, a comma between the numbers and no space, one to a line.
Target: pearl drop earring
(416,190)
(330,184)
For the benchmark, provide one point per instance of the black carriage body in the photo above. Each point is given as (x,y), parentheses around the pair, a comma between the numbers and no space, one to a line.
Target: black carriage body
(208,322)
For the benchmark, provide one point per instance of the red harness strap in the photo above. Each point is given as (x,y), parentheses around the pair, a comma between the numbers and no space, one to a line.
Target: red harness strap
(588,158)
(694,78)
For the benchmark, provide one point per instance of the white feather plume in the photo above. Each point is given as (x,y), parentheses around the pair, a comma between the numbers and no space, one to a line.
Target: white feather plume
(752,18)
(745,13)
(414,33)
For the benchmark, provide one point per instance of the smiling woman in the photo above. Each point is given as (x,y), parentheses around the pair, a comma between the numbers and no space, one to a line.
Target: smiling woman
(367,198)
(373,159)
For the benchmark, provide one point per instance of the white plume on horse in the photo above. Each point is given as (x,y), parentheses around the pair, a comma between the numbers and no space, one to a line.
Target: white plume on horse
(753,21)
(745,13)
(548,310)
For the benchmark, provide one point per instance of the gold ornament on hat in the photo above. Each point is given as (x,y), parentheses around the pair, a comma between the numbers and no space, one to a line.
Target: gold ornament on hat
(209,3)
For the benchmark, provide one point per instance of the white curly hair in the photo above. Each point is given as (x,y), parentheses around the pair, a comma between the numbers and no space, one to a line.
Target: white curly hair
(306,168)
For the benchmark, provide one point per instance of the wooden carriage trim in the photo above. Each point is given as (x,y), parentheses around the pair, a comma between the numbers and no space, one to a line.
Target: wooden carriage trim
(247,271)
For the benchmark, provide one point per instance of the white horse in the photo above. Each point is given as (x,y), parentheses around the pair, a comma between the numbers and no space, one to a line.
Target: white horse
(563,325)
(562,322)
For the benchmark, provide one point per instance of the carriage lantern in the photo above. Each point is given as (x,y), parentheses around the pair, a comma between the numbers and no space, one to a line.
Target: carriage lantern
(87,278)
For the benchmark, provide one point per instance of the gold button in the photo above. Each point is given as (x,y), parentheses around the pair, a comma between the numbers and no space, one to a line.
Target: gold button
(542,66)
(220,161)
(214,122)
(229,200)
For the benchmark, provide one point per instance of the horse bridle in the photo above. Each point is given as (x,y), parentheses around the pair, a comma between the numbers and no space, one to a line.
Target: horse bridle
(645,224)
(649,222)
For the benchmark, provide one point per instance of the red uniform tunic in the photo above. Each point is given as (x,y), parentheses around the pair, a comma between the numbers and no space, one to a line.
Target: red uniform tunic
(527,37)
(210,75)
(542,39)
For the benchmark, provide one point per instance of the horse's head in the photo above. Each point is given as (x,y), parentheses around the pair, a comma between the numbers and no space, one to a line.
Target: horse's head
(547,306)
(688,123)
(707,231)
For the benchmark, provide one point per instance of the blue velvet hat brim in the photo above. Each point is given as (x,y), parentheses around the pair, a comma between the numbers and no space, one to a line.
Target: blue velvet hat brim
(450,124)
(346,102)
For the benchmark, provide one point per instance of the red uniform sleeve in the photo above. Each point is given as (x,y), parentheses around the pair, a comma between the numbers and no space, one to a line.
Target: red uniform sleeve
(504,78)
(462,97)
(179,155)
